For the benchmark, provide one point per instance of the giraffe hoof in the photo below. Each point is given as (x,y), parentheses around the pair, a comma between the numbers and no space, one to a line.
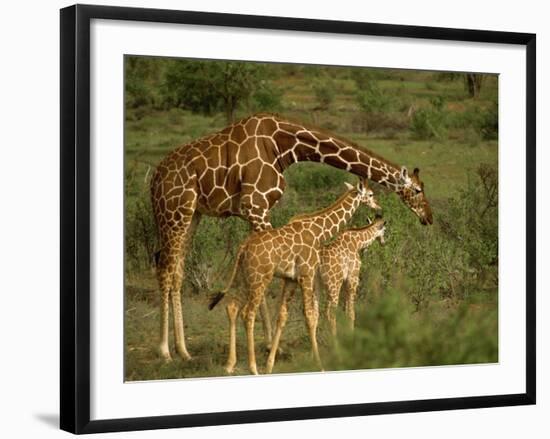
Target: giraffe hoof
(165,355)
(229,370)
(186,357)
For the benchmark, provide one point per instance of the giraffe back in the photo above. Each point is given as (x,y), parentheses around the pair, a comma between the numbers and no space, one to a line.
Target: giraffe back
(342,257)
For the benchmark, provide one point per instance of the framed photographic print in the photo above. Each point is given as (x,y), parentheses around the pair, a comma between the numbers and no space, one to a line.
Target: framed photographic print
(268,218)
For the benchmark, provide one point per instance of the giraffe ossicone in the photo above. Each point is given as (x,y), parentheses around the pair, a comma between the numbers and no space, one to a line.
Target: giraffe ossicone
(239,171)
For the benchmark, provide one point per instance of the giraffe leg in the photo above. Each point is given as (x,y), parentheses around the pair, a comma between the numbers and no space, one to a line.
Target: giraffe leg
(351,294)
(332,305)
(232,309)
(168,265)
(266,321)
(164,349)
(311,312)
(179,335)
(258,217)
(175,293)
(249,316)
(288,292)
(170,271)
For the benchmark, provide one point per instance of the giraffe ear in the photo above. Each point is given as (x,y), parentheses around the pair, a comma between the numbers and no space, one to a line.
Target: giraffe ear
(404,175)
(349,186)
(416,172)
(361,185)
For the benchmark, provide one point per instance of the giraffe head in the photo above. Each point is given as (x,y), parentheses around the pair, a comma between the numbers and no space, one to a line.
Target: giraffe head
(379,226)
(365,193)
(412,194)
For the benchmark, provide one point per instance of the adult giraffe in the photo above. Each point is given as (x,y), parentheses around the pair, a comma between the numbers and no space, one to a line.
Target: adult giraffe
(239,171)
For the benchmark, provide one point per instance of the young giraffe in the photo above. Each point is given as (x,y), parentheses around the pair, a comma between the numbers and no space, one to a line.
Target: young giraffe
(239,171)
(340,265)
(290,252)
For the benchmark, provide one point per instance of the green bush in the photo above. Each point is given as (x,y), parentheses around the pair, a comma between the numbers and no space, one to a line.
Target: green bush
(472,219)
(375,105)
(371,99)
(139,73)
(456,258)
(210,86)
(431,122)
(489,125)
(447,76)
(136,93)
(363,75)
(140,237)
(362,78)
(211,254)
(267,98)
(324,89)
(390,334)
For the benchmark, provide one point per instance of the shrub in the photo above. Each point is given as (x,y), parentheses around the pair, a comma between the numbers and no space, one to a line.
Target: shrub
(362,77)
(140,235)
(136,93)
(267,98)
(389,334)
(489,124)
(483,122)
(375,105)
(454,259)
(447,76)
(471,137)
(137,78)
(211,253)
(210,86)
(472,219)
(324,89)
(430,123)
(371,99)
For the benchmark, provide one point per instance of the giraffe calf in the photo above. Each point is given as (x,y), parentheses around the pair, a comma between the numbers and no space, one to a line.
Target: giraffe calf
(291,252)
(340,265)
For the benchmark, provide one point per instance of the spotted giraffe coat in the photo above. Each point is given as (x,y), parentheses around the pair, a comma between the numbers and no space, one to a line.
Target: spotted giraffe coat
(340,265)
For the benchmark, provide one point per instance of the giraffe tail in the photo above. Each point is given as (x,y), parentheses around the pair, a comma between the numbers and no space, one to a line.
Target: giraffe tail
(216,298)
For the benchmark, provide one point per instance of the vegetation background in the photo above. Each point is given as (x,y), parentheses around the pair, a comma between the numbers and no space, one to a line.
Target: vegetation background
(428,297)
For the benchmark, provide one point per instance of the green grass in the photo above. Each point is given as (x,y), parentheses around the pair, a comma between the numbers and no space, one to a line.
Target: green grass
(388,334)
(429,297)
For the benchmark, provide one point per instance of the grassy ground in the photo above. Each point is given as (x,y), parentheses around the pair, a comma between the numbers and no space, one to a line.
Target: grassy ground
(429,297)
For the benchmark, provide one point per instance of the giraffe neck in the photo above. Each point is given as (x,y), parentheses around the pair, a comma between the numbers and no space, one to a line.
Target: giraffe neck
(297,143)
(363,237)
(332,219)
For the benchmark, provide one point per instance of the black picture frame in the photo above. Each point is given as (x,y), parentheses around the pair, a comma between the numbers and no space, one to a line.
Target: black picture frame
(75,217)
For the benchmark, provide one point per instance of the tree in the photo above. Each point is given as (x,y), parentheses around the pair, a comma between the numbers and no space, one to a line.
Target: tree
(141,78)
(472,82)
(209,86)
